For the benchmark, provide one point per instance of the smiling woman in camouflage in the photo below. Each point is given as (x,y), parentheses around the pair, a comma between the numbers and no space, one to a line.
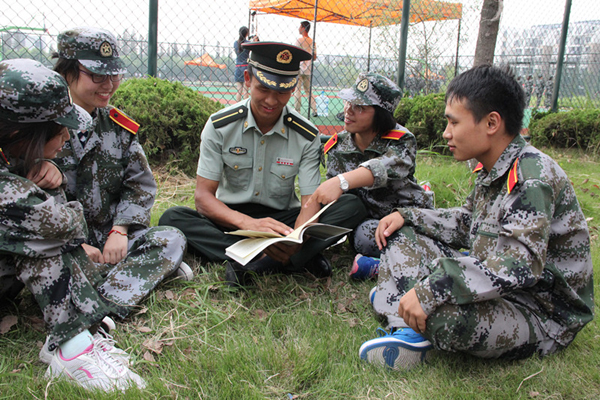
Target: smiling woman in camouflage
(107,171)
(41,233)
(375,161)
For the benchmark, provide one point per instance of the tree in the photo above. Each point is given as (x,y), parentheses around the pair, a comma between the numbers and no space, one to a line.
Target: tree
(488,32)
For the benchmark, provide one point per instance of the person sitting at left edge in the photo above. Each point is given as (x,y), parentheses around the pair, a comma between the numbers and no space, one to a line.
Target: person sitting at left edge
(41,234)
(250,155)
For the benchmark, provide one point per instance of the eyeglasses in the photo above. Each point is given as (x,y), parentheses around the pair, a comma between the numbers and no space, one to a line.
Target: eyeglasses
(356,109)
(96,78)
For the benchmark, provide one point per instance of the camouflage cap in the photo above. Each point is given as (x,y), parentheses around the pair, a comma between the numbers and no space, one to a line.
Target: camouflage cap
(96,49)
(30,92)
(373,90)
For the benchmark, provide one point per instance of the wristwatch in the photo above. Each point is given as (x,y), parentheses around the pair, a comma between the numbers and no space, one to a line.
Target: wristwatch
(343,183)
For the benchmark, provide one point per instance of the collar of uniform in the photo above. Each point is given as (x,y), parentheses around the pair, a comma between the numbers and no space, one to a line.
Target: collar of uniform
(504,162)
(279,127)
(377,146)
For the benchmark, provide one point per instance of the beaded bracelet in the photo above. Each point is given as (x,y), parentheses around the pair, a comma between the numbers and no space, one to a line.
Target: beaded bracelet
(116,231)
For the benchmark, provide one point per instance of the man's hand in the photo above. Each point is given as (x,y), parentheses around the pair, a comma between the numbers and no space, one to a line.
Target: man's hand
(93,253)
(327,192)
(266,225)
(115,248)
(49,176)
(411,311)
(388,225)
(282,252)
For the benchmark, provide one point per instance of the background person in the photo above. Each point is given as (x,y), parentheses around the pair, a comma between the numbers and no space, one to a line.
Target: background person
(306,43)
(42,233)
(241,62)
(108,173)
(526,286)
(375,161)
(250,156)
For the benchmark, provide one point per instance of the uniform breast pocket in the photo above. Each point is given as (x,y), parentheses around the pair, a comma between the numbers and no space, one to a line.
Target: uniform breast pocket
(486,238)
(238,172)
(281,180)
(110,176)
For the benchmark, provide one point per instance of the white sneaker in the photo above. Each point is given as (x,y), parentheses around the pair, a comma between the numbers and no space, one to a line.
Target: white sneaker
(184,272)
(94,369)
(107,343)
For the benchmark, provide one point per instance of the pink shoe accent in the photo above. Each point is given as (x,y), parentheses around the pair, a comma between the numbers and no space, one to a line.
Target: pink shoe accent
(89,375)
(355,264)
(90,347)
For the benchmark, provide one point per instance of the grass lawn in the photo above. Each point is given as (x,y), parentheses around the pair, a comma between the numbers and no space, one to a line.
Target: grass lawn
(298,337)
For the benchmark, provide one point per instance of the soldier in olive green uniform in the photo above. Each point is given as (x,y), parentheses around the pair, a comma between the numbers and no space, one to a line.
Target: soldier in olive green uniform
(42,234)
(525,286)
(250,156)
(107,171)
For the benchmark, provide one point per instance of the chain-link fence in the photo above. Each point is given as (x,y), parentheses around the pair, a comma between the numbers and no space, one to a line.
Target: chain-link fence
(195,42)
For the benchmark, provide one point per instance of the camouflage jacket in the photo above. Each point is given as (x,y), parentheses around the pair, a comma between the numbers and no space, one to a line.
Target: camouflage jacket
(528,242)
(392,163)
(34,223)
(110,177)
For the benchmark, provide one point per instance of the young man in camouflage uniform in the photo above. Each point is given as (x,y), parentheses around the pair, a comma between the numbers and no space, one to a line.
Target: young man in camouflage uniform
(107,171)
(250,156)
(525,286)
(41,233)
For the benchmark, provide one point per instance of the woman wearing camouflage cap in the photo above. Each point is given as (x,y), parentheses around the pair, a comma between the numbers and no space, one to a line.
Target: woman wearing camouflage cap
(41,234)
(375,161)
(107,171)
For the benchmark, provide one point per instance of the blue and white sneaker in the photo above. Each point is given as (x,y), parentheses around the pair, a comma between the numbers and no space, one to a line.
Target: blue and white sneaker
(402,349)
(364,267)
(372,294)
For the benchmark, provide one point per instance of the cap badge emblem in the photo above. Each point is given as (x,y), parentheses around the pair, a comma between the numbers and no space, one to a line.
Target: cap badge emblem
(363,85)
(284,57)
(106,49)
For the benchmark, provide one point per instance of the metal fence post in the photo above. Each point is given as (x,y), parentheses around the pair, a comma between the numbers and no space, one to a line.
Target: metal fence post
(403,41)
(153,38)
(561,55)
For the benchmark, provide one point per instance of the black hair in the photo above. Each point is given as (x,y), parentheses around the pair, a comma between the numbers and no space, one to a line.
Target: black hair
(305,25)
(383,121)
(69,69)
(484,89)
(243,33)
(26,142)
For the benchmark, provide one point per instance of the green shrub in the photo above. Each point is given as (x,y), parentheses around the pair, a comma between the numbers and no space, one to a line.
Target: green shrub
(424,117)
(171,118)
(577,128)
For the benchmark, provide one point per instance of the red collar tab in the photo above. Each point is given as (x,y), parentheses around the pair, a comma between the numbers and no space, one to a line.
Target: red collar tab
(124,121)
(478,167)
(394,134)
(330,143)
(512,177)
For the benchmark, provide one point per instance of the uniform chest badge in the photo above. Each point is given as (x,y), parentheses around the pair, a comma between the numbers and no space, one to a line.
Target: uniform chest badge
(238,151)
(285,161)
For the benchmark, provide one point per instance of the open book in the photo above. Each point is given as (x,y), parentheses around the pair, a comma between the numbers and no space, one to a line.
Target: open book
(245,250)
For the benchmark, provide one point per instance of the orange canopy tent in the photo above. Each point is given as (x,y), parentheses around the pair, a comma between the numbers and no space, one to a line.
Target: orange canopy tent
(368,13)
(203,61)
(360,12)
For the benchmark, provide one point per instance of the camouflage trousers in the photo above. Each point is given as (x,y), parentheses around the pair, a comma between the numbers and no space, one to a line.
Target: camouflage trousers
(74,293)
(363,238)
(488,329)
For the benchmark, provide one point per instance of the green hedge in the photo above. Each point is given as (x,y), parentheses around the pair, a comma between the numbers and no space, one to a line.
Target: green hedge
(424,117)
(577,128)
(171,118)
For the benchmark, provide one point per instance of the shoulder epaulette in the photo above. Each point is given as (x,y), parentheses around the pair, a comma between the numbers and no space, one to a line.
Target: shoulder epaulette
(123,120)
(478,167)
(226,117)
(394,134)
(330,143)
(513,178)
(305,128)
